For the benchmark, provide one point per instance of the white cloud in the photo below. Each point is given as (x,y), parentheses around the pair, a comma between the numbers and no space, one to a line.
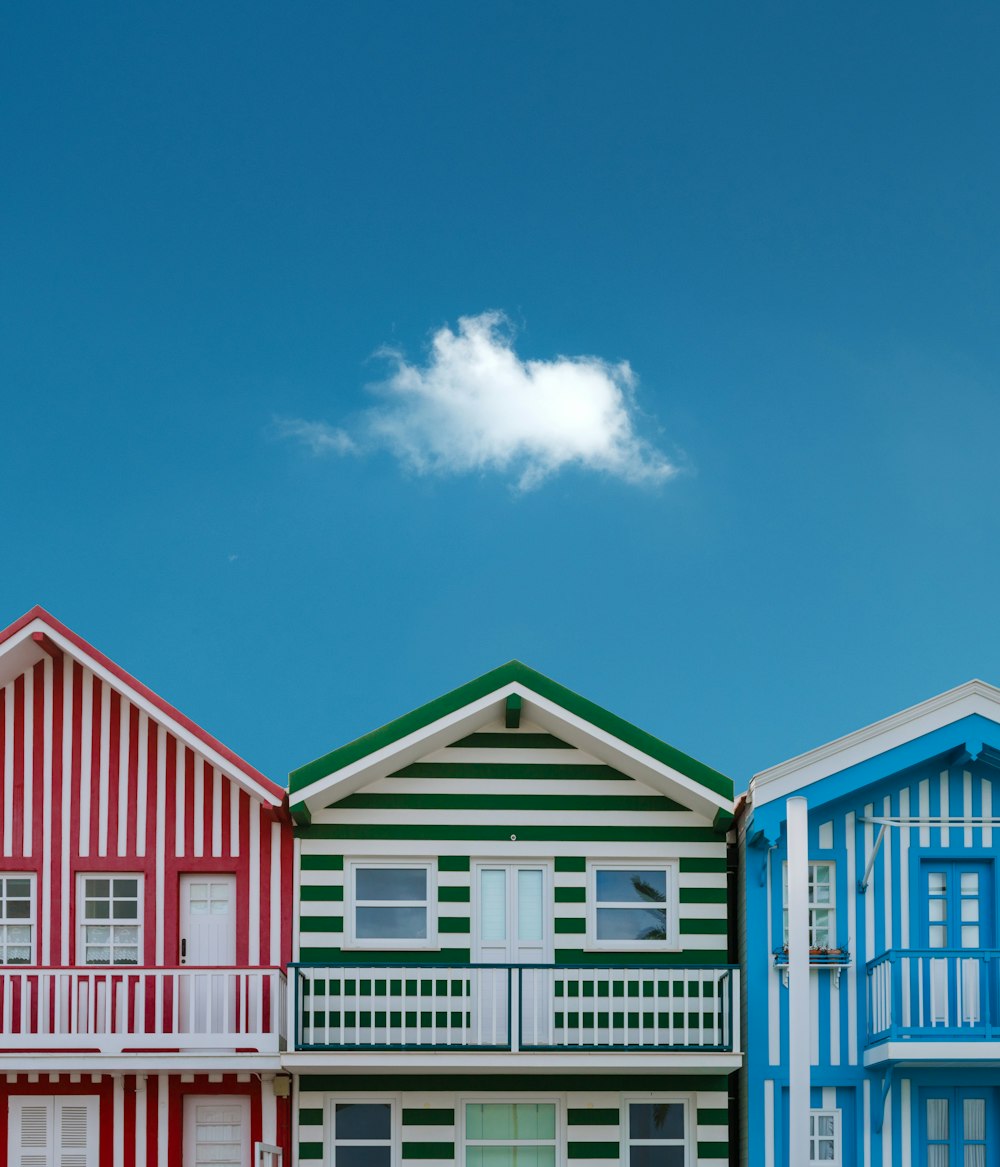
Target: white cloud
(475,405)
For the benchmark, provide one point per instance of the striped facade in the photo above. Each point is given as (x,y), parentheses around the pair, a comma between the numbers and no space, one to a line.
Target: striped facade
(888,813)
(489,793)
(101,781)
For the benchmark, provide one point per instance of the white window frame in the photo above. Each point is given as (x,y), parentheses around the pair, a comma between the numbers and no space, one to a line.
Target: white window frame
(31,922)
(351,903)
(690,1125)
(82,922)
(671,904)
(395,1123)
(831,907)
(461,1140)
(826,1112)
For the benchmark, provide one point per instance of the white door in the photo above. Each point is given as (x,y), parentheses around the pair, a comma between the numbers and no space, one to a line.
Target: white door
(512,925)
(53,1131)
(208,944)
(216,1132)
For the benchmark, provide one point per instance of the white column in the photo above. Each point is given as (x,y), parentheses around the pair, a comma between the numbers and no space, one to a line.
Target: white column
(799,1021)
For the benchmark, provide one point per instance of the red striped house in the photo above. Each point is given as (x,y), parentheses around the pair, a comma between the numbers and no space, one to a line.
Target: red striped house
(145,878)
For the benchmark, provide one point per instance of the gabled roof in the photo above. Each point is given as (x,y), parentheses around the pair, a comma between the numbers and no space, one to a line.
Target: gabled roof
(975,704)
(37,633)
(571,717)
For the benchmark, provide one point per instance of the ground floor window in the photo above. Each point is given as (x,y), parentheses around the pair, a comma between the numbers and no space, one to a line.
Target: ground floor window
(52,1130)
(510,1134)
(361,1134)
(656,1132)
(824,1136)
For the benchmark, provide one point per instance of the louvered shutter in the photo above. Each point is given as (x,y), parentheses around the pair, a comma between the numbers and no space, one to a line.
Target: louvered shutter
(76,1132)
(30,1133)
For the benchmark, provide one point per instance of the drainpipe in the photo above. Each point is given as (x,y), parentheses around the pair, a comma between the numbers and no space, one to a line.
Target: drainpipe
(799,1021)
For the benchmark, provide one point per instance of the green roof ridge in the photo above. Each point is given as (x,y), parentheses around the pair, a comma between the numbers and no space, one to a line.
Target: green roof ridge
(490,682)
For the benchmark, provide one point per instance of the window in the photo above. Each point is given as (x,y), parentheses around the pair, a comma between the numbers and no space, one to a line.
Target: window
(510,1134)
(656,1132)
(391,905)
(822,905)
(17,919)
(111,919)
(361,1134)
(824,1136)
(633,906)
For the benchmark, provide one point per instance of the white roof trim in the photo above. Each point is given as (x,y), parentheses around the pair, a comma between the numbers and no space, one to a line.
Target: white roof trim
(784,779)
(573,729)
(22,638)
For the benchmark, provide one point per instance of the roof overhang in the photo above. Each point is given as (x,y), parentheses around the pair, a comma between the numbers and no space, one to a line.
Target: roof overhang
(38,634)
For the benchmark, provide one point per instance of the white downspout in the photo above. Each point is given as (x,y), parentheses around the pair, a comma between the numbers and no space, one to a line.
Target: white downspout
(799,1021)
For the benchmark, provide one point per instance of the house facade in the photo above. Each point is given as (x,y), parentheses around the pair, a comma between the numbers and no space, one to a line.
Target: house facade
(145,880)
(511,941)
(869,945)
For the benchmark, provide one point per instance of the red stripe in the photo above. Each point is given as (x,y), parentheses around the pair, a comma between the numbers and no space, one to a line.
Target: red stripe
(170,861)
(3,753)
(207,782)
(244,906)
(17,818)
(153,1087)
(152,760)
(265,887)
(38,810)
(132,845)
(60,798)
(114,745)
(97,690)
(128,1119)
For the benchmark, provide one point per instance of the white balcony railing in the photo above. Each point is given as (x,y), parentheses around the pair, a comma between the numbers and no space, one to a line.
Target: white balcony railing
(117,1009)
(520,1007)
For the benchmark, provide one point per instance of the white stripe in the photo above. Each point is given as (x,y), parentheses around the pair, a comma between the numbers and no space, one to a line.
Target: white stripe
(253,931)
(967,803)
(850,830)
(268,1112)
(47,805)
(904,870)
(163,1119)
(161,833)
(140,1113)
(987,811)
(554,788)
(464,755)
(773,990)
(118,1141)
(86,761)
(8,769)
(235,796)
(869,896)
(542,849)
(516,818)
(835,1019)
(29,758)
(829,1097)
(67,822)
(142,784)
(945,831)
(216,813)
(123,752)
(103,774)
(275,957)
(925,811)
(296,892)
(198,807)
(814,1016)
(180,803)
(768,1122)
(887,879)
(905,1119)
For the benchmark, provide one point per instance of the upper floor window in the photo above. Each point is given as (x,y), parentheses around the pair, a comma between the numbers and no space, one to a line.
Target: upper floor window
(822,905)
(824,1136)
(17,919)
(110,919)
(391,904)
(633,905)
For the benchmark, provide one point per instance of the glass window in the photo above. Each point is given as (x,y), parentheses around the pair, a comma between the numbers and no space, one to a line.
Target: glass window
(634,907)
(510,1134)
(824,1136)
(17,919)
(361,1134)
(111,919)
(391,905)
(822,905)
(656,1133)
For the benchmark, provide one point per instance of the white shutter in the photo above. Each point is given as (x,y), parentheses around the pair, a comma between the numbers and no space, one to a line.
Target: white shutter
(76,1131)
(54,1131)
(30,1137)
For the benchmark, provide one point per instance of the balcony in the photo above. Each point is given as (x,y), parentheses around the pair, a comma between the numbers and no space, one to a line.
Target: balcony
(475,1011)
(122,1010)
(933,1004)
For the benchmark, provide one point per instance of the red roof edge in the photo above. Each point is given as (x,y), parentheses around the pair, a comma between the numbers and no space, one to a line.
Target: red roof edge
(39,613)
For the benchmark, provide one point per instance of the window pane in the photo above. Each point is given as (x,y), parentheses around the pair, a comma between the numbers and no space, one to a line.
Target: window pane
(18,888)
(627,886)
(970,911)
(970,935)
(937,1118)
(529,905)
(125,909)
(974,1118)
(499,1121)
(656,1156)
(937,910)
(362,1156)
(938,936)
(390,883)
(975,1156)
(970,883)
(402,923)
(656,1120)
(631,924)
(937,1156)
(97,910)
(126,888)
(493,905)
(98,887)
(363,1120)
(824,1125)
(936,883)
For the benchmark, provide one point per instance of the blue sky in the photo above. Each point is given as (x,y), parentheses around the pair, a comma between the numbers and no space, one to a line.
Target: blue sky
(216,219)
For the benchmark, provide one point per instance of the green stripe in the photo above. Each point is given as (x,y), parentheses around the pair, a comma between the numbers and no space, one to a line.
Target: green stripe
(570,863)
(595,1117)
(337,956)
(453,895)
(593,1150)
(428,1150)
(453,863)
(511,741)
(451,924)
(322,863)
(703,895)
(710,1117)
(704,958)
(703,866)
(310,1150)
(567,926)
(510,770)
(704,927)
(428,1117)
(539,802)
(713,1150)
(311,892)
(471,833)
(321,924)
(515,1082)
(571,895)
(310,1116)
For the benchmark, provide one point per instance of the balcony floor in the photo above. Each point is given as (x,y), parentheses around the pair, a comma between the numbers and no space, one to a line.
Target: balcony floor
(958,1052)
(523,1062)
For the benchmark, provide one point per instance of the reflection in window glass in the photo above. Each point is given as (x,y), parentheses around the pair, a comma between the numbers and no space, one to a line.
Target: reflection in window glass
(656,1133)
(504,1134)
(390,903)
(362,1134)
(630,906)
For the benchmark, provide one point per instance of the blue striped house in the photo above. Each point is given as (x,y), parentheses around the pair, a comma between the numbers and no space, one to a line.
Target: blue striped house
(512,942)
(868,913)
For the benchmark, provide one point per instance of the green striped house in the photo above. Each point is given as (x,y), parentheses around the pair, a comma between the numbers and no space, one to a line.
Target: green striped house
(511,939)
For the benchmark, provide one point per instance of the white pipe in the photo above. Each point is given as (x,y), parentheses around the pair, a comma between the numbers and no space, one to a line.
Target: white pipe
(799,1021)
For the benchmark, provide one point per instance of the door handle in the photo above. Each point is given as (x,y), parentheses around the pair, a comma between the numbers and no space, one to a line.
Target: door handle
(184,950)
